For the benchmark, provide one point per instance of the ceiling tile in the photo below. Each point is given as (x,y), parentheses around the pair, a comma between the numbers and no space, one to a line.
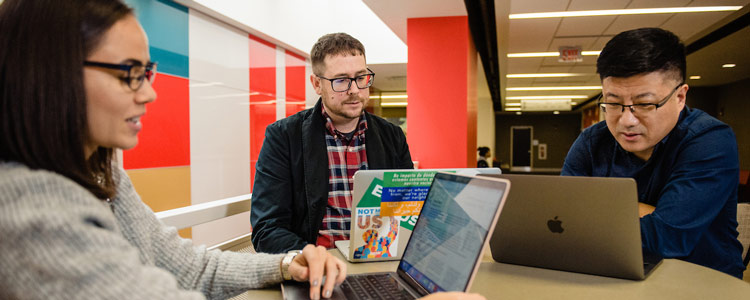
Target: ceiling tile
(688,24)
(584,42)
(660,3)
(584,26)
(531,35)
(597,4)
(628,22)
(532,6)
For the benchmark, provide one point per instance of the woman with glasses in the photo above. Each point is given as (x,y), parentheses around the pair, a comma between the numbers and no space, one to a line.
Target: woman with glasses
(75,79)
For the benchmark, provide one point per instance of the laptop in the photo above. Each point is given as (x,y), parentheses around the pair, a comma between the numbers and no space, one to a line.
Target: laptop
(445,248)
(385,207)
(571,223)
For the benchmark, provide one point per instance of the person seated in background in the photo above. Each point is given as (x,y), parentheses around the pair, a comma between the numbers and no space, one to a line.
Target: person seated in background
(75,78)
(484,155)
(684,161)
(303,178)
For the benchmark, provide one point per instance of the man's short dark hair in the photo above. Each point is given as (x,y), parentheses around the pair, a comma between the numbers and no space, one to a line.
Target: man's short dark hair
(643,50)
(483,151)
(333,44)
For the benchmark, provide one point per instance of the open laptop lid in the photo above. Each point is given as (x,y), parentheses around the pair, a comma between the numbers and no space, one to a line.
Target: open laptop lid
(385,207)
(578,224)
(457,219)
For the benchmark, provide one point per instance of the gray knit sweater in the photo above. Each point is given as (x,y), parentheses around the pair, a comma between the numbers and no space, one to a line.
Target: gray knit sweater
(57,241)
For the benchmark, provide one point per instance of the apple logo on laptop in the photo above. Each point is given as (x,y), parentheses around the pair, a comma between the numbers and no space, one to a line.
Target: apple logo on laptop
(555,225)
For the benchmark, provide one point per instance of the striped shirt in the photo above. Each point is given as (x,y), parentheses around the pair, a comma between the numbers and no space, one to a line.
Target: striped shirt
(346,155)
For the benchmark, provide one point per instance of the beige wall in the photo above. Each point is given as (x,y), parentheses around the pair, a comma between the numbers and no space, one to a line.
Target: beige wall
(163,189)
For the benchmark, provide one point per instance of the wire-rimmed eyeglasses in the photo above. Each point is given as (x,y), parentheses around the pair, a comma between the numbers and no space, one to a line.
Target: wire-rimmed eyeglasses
(638,109)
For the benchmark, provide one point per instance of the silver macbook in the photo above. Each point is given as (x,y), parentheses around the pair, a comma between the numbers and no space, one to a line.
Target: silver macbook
(385,207)
(445,248)
(577,224)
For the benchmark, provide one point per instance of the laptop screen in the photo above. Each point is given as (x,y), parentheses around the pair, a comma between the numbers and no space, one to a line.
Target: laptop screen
(450,233)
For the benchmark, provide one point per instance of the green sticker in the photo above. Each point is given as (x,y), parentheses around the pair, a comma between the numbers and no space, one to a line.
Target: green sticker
(372,195)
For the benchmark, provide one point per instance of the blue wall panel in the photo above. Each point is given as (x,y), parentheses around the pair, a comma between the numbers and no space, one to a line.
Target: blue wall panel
(166,24)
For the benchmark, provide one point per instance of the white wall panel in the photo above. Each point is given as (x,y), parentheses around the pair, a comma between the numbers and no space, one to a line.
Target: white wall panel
(280,83)
(219,122)
(310,96)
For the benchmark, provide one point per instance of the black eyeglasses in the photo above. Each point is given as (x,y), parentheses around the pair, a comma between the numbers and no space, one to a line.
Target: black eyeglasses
(614,109)
(342,84)
(137,72)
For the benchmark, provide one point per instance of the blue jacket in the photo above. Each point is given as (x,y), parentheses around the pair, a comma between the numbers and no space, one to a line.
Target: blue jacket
(290,192)
(691,179)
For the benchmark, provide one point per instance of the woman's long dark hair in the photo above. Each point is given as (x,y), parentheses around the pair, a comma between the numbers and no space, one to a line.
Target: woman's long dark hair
(43,121)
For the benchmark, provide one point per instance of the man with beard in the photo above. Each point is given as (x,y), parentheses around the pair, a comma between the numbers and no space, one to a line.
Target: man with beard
(303,179)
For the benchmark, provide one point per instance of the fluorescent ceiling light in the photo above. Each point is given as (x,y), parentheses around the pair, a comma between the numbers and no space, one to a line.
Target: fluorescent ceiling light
(555,88)
(548,97)
(613,12)
(695,77)
(728,65)
(549,54)
(513,109)
(513,104)
(394,104)
(545,75)
(402,96)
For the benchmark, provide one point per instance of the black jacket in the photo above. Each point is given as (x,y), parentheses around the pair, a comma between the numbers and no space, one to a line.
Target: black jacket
(290,192)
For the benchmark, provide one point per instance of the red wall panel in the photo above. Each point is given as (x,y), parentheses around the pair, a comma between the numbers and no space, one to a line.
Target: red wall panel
(165,138)
(262,95)
(441,93)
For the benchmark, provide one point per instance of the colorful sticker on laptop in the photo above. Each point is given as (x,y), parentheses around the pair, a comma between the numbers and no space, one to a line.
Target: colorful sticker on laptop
(404,192)
(378,234)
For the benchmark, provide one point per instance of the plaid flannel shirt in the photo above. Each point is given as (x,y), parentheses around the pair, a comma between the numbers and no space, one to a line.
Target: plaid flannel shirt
(345,157)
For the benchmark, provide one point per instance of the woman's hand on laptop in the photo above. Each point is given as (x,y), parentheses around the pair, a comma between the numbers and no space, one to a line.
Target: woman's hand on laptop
(453,296)
(314,263)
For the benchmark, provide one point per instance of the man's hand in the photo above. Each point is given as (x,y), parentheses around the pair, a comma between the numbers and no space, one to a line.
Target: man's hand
(453,296)
(645,209)
(312,264)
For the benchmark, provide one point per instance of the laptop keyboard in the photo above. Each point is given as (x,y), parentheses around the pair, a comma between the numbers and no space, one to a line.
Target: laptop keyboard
(374,286)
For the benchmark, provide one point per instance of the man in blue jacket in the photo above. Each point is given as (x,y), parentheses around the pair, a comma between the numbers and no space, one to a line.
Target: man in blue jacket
(684,161)
(303,180)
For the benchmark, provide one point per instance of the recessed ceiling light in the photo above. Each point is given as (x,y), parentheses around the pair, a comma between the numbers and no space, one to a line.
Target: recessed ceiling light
(554,88)
(548,97)
(549,54)
(545,75)
(728,65)
(519,113)
(695,77)
(556,112)
(632,11)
